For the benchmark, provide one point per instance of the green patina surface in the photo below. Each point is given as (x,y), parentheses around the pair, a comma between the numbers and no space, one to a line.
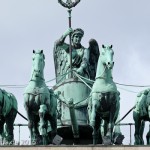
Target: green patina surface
(141,113)
(8,112)
(39,102)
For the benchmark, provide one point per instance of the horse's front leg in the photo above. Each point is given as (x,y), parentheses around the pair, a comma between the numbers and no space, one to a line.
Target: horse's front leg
(94,118)
(10,118)
(97,137)
(95,104)
(27,102)
(42,112)
(114,112)
(52,117)
(110,130)
(148,136)
(2,133)
(137,128)
(93,113)
(111,123)
(43,123)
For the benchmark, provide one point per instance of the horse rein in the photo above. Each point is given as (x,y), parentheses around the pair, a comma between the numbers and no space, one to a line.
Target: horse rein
(101,76)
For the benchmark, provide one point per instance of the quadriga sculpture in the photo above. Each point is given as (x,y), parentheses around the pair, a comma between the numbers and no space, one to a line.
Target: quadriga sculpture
(8,112)
(141,113)
(104,103)
(39,102)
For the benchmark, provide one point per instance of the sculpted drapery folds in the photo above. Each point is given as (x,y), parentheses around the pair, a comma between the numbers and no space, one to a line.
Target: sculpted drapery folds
(84,60)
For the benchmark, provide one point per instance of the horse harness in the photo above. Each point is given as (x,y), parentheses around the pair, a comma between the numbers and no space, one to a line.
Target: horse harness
(36,91)
(104,95)
(103,99)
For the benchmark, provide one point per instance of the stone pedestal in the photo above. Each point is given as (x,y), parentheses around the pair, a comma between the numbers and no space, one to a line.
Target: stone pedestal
(76,148)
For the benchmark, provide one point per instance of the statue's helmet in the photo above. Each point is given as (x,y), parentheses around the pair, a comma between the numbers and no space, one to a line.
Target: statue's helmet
(77,31)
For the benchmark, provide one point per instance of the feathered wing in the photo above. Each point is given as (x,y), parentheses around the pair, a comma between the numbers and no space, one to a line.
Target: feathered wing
(60,61)
(93,57)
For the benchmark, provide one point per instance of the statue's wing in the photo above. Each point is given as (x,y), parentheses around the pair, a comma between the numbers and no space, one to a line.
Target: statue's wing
(60,62)
(93,58)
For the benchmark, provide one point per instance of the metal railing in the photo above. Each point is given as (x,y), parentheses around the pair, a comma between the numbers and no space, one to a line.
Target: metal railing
(130,129)
(121,124)
(19,126)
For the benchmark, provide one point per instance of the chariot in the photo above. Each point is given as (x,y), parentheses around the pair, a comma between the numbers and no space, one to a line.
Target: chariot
(72,122)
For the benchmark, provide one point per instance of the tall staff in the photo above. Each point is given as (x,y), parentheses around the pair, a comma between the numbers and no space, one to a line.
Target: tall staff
(69,4)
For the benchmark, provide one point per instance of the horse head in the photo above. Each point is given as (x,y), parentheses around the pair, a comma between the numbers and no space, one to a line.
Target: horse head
(38,63)
(107,56)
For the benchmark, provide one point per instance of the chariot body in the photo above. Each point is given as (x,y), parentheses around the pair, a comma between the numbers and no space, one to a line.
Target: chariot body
(72,122)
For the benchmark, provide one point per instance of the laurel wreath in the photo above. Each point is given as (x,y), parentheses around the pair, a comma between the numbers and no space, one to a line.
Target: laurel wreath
(69,5)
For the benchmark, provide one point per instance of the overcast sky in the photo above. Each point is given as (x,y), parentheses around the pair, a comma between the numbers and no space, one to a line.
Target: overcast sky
(36,24)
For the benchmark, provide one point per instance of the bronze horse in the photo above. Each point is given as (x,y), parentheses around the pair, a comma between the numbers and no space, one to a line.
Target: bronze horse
(8,112)
(40,103)
(141,113)
(104,103)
